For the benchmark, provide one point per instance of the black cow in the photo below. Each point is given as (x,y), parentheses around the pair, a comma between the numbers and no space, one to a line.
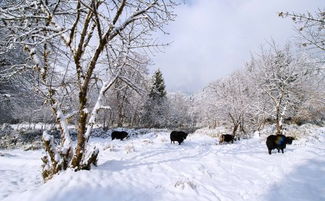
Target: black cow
(178,136)
(119,135)
(278,142)
(226,138)
(290,139)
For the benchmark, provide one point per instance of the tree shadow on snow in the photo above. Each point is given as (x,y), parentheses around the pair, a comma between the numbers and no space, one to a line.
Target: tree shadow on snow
(305,183)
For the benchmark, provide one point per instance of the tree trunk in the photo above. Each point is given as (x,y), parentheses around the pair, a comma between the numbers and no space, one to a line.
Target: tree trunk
(242,127)
(81,140)
(236,125)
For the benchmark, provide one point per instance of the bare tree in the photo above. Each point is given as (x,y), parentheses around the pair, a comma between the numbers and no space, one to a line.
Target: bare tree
(230,97)
(275,85)
(124,97)
(17,97)
(281,77)
(179,111)
(310,28)
(67,42)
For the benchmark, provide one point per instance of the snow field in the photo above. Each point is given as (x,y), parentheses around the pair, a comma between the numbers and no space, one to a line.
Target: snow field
(148,167)
(19,171)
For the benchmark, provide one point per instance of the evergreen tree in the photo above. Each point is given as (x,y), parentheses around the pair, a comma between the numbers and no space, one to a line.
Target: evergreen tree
(158,87)
(156,107)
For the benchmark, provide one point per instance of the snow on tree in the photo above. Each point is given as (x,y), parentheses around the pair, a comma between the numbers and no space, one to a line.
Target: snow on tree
(18,100)
(71,46)
(125,101)
(179,111)
(157,90)
(281,77)
(156,106)
(310,27)
(277,84)
(230,99)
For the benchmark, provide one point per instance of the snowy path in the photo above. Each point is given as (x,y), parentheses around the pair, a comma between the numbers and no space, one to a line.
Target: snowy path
(150,168)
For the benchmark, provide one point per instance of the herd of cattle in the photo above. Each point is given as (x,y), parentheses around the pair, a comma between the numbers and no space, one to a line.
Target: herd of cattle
(278,141)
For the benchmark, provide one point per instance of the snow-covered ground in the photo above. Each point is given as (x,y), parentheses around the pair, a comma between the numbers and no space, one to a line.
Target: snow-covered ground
(148,167)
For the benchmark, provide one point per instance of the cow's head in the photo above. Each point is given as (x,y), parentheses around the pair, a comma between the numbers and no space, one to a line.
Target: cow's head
(185,136)
(289,140)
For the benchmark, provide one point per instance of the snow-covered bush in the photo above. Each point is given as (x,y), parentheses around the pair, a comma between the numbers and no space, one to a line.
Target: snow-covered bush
(5,129)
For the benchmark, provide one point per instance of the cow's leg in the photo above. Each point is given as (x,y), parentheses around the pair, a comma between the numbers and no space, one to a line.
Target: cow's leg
(282,150)
(270,151)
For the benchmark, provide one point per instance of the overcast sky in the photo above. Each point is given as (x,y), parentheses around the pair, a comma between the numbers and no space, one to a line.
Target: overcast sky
(212,38)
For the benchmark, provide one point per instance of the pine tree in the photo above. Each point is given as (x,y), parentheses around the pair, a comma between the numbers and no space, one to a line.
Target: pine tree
(155,110)
(158,87)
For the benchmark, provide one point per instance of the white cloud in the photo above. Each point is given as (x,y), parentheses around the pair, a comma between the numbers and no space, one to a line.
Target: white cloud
(212,38)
